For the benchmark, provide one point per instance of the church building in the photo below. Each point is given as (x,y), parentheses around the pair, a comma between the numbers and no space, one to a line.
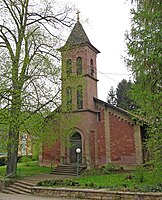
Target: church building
(105,133)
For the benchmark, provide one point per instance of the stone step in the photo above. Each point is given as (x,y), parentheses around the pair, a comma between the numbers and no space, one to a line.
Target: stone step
(8,191)
(12,190)
(63,173)
(25,184)
(19,187)
(67,170)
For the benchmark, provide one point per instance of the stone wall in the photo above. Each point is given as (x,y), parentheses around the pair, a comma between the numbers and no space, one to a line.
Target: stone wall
(1,185)
(5,182)
(94,194)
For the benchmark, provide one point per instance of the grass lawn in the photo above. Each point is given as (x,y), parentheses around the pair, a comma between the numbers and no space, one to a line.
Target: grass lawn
(135,181)
(139,180)
(29,169)
(144,181)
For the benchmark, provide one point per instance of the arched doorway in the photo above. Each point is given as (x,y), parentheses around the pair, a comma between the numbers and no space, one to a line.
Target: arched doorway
(75,142)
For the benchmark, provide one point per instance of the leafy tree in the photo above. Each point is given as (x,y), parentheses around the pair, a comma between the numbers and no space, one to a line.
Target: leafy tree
(111,98)
(30,33)
(144,60)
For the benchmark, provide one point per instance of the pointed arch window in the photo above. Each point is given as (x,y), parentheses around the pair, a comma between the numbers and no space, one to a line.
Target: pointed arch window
(69,98)
(68,67)
(79,97)
(79,65)
(91,68)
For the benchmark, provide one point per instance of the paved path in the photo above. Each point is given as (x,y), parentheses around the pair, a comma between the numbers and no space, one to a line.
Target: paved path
(35,179)
(28,197)
(42,177)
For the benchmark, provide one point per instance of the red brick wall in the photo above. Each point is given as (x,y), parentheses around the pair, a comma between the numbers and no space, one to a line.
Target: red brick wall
(90,84)
(52,153)
(122,140)
(101,140)
(92,147)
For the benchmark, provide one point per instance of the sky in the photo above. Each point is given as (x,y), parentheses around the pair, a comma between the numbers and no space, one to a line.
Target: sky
(105,23)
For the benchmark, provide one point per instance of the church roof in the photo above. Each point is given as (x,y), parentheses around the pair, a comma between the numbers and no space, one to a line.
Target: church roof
(78,37)
(112,106)
(125,112)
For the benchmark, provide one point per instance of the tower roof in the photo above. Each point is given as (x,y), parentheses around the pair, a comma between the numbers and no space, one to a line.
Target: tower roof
(78,37)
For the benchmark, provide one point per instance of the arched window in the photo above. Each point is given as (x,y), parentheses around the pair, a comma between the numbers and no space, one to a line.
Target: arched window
(68,67)
(79,65)
(76,136)
(79,97)
(91,68)
(69,98)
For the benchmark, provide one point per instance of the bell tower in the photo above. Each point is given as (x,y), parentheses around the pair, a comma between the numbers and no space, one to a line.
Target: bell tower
(79,70)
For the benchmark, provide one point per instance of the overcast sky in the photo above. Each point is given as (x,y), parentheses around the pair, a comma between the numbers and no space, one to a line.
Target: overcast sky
(107,22)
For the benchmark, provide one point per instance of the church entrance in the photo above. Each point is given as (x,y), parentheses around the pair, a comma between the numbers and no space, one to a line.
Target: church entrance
(75,143)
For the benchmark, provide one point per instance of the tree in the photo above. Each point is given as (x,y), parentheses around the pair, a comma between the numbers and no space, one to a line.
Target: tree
(123,97)
(30,33)
(111,98)
(144,60)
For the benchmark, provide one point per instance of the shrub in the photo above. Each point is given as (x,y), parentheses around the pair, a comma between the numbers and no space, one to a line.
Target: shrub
(153,188)
(50,183)
(139,174)
(92,172)
(110,168)
(26,160)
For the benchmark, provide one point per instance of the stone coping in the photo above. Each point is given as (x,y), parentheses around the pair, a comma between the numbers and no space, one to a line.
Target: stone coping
(94,193)
(95,190)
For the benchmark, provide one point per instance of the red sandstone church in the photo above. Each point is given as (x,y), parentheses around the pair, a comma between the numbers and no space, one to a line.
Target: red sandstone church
(105,133)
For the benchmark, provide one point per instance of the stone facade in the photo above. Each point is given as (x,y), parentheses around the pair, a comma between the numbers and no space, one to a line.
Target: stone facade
(105,133)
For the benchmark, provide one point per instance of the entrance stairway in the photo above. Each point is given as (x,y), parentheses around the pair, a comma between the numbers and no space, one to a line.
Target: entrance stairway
(69,170)
(19,187)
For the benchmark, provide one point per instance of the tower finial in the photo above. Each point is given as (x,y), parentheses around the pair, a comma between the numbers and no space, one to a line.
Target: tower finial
(78,12)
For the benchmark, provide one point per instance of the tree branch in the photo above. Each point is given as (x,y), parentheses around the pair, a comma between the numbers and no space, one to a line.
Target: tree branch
(13,14)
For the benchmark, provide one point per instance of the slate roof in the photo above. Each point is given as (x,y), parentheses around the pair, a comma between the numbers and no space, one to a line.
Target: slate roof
(78,37)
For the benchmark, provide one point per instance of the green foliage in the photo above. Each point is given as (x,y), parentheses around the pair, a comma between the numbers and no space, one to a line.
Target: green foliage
(152,180)
(93,172)
(23,170)
(110,168)
(106,169)
(124,99)
(125,181)
(155,188)
(111,98)
(29,70)
(50,183)
(121,96)
(139,174)
(119,181)
(26,160)
(144,60)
